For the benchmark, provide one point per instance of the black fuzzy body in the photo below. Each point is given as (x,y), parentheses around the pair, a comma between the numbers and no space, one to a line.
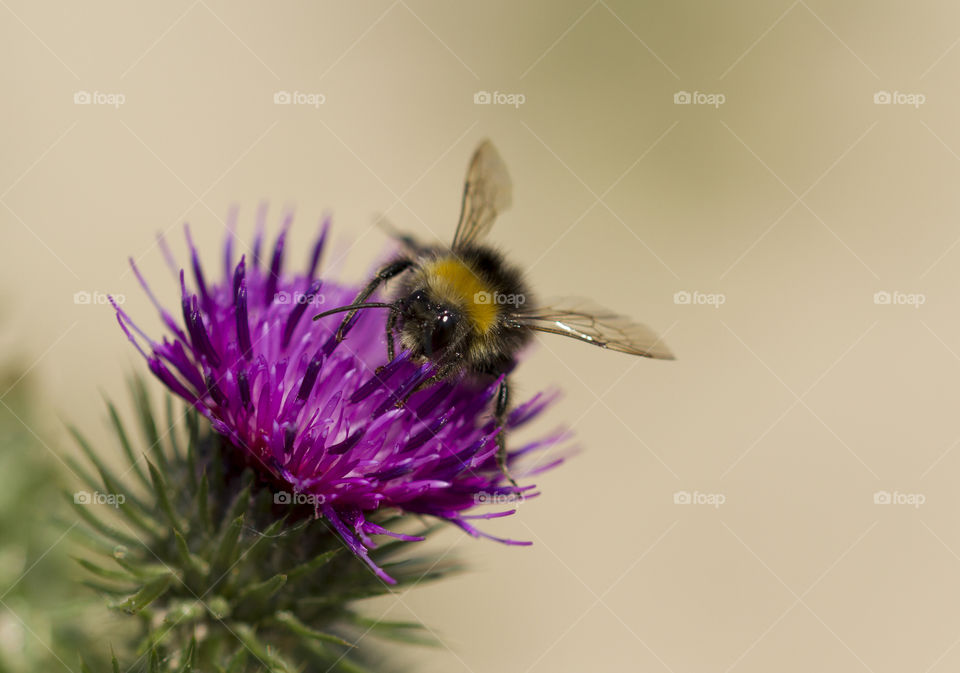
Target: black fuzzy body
(488,352)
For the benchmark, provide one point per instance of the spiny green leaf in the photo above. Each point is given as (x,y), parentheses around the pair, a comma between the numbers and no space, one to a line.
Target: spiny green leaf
(172,425)
(226,552)
(150,592)
(109,480)
(241,503)
(380,623)
(352,591)
(254,553)
(105,573)
(351,666)
(160,488)
(131,507)
(141,569)
(148,425)
(312,564)
(273,662)
(154,660)
(190,561)
(88,538)
(256,594)
(125,444)
(413,633)
(86,477)
(108,589)
(203,505)
(288,620)
(95,522)
(193,434)
(188,657)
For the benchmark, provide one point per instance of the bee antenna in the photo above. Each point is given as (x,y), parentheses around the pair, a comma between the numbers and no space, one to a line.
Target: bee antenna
(352,307)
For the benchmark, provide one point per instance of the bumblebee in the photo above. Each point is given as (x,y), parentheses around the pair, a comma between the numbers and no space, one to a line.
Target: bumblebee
(468,310)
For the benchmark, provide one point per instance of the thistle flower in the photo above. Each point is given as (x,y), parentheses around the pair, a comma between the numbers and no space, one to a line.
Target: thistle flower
(321,420)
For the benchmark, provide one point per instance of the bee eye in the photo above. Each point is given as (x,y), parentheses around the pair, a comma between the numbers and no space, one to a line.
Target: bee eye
(417,304)
(444,329)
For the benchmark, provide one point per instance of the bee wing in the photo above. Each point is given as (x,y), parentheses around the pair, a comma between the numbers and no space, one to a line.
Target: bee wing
(487,192)
(586,321)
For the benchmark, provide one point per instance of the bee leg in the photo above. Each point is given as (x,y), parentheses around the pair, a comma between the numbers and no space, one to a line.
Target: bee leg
(391,324)
(500,415)
(392,269)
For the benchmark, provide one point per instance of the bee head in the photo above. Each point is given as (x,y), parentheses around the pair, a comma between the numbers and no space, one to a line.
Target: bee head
(429,326)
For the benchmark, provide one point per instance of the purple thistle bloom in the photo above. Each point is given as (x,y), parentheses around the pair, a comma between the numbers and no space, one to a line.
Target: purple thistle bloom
(315,415)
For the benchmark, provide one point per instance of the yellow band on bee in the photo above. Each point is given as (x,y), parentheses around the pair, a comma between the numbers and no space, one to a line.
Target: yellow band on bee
(455,282)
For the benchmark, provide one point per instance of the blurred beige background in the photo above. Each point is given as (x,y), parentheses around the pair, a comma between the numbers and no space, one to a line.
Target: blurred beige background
(794,201)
